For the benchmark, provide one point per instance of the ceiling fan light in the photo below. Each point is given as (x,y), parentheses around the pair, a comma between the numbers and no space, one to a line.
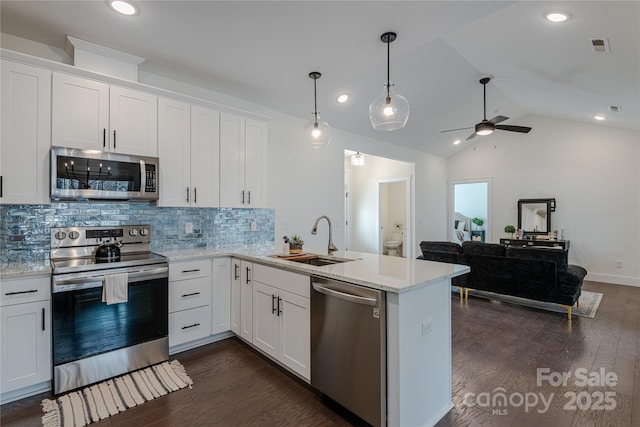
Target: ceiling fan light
(389,111)
(357,159)
(484,129)
(123,7)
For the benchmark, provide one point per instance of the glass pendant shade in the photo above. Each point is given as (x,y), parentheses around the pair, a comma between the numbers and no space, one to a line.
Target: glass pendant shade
(318,132)
(357,159)
(389,111)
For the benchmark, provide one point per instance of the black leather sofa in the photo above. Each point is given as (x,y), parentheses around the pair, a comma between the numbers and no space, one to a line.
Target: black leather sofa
(541,274)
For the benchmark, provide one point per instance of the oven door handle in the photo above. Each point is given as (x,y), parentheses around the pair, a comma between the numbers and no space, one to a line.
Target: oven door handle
(96,281)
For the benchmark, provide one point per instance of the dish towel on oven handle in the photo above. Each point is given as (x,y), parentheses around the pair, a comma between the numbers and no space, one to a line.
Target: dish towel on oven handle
(115,289)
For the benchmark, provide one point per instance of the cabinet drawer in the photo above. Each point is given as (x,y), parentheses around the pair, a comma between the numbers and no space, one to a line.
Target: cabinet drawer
(25,289)
(189,325)
(295,283)
(185,294)
(181,270)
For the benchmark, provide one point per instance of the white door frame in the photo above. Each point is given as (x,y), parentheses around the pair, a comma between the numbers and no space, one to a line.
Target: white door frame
(489,224)
(408,250)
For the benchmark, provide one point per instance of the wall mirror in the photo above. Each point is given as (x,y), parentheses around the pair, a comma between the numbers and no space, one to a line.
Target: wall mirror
(534,215)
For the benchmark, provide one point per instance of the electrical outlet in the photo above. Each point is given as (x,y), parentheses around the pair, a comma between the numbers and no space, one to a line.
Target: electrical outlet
(188,228)
(254,226)
(427,326)
(619,264)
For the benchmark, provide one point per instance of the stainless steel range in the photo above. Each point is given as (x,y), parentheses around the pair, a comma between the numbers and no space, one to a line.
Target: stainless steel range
(94,339)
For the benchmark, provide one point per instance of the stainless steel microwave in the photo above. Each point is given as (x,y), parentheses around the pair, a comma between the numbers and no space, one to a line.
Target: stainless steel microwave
(91,174)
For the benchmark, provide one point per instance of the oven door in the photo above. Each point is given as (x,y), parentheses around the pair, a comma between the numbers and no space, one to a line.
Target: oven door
(87,332)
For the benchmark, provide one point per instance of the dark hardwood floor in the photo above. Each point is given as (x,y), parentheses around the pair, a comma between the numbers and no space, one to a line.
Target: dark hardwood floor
(495,345)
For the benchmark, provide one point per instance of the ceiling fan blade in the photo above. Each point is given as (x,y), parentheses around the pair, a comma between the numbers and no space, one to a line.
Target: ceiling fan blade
(473,135)
(453,130)
(498,119)
(510,128)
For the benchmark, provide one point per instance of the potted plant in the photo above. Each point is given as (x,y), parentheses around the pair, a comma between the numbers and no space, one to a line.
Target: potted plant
(478,222)
(510,229)
(295,244)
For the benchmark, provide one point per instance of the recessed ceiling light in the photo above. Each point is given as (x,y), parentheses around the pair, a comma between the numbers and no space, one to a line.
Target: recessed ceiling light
(556,16)
(123,7)
(456,142)
(343,97)
(599,117)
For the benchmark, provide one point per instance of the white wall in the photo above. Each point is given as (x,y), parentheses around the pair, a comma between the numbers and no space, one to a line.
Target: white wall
(303,182)
(591,170)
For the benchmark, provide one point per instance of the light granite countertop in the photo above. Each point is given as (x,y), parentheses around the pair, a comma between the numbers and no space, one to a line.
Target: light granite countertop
(387,273)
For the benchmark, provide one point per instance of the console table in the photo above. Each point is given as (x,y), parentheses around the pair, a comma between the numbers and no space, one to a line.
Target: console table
(564,244)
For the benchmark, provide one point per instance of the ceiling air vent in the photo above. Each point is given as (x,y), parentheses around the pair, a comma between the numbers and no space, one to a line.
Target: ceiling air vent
(614,108)
(600,45)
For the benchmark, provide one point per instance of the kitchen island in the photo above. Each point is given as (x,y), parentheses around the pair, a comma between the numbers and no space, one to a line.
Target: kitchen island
(418,316)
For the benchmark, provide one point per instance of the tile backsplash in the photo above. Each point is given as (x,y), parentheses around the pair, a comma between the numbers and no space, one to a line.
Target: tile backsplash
(25,229)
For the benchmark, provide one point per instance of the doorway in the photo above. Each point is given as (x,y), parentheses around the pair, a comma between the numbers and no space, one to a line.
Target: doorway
(470,215)
(394,220)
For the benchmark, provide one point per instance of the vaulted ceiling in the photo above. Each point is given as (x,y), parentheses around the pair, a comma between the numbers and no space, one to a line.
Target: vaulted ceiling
(263,51)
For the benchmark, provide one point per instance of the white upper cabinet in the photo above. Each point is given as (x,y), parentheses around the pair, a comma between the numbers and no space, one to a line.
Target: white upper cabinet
(26,137)
(243,145)
(189,151)
(92,115)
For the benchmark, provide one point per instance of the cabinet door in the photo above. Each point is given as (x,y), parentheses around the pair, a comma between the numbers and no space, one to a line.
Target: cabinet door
(236,285)
(265,318)
(26,137)
(246,300)
(295,333)
(221,302)
(232,158)
(25,345)
(205,157)
(133,116)
(255,160)
(80,113)
(174,136)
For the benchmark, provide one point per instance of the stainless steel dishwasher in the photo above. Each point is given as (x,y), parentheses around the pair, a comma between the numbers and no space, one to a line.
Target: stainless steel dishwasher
(348,347)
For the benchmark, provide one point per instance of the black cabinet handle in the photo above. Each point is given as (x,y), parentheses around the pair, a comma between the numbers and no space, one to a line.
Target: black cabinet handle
(31,291)
(114,139)
(104,137)
(243,197)
(191,326)
(191,294)
(273,304)
(248,278)
(195,194)
(187,194)
(43,321)
(195,270)
(1,185)
(249,194)
(236,271)
(279,310)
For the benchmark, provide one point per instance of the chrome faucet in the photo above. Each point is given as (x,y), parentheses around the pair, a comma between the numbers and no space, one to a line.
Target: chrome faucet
(314,231)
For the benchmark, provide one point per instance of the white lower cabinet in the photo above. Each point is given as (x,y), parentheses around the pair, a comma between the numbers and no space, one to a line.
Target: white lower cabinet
(25,328)
(235,295)
(281,317)
(190,284)
(241,299)
(221,296)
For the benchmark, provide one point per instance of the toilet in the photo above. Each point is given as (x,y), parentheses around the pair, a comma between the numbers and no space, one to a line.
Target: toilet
(394,246)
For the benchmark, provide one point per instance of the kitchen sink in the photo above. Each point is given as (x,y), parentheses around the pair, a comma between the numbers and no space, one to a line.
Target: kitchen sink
(316,260)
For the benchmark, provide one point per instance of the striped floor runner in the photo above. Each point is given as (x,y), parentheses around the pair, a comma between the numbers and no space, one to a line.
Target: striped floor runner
(102,400)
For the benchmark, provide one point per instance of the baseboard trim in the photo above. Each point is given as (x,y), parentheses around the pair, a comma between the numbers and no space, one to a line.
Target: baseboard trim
(613,279)
(12,396)
(199,342)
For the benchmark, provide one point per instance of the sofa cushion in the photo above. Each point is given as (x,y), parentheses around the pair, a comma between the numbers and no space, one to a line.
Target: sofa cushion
(479,248)
(547,254)
(450,247)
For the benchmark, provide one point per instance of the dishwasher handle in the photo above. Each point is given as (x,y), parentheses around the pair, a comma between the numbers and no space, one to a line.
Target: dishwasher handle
(344,296)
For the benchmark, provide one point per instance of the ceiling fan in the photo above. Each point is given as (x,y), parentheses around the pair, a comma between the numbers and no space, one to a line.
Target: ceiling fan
(486,127)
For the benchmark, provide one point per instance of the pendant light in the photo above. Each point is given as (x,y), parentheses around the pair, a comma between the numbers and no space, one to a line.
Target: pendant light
(357,159)
(318,131)
(390,110)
